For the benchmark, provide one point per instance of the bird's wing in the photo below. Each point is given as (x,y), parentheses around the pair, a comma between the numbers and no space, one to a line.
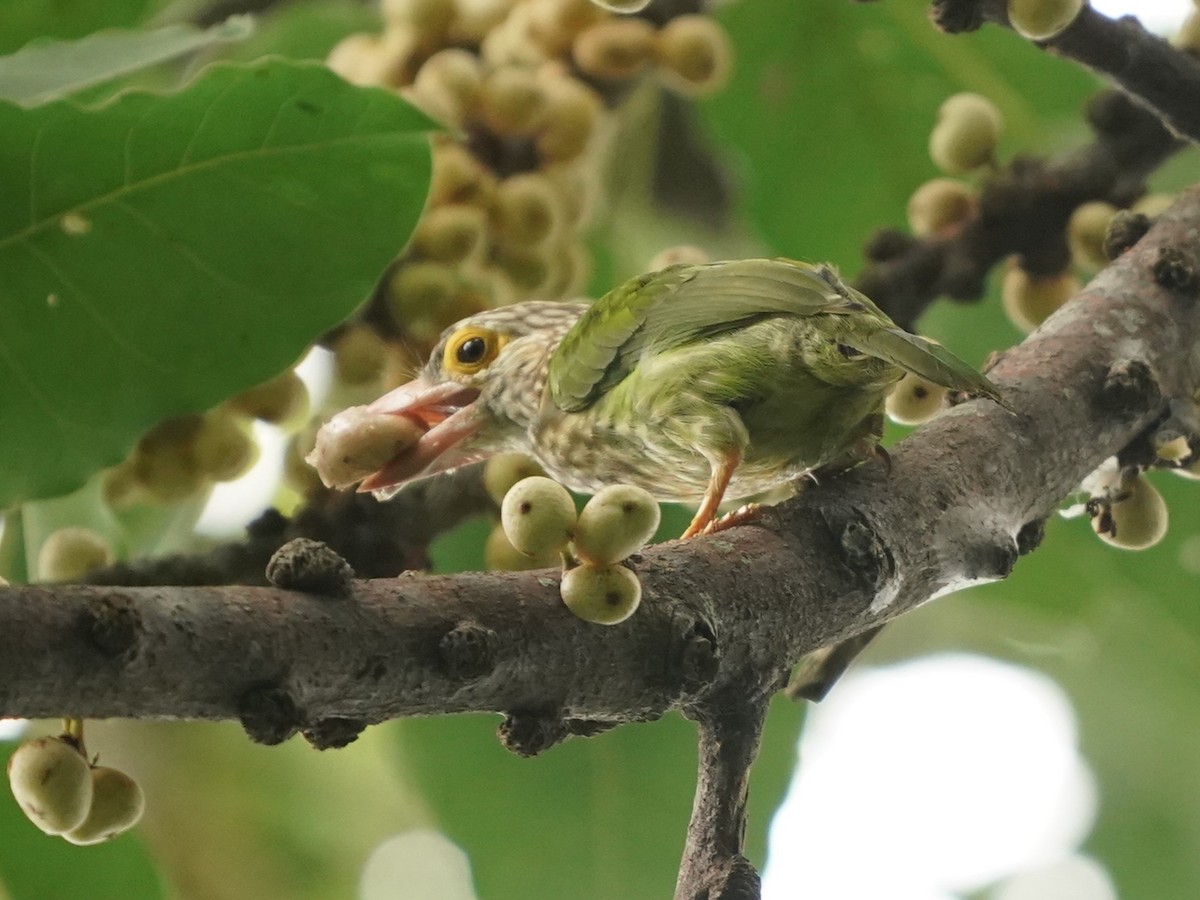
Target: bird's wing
(681,305)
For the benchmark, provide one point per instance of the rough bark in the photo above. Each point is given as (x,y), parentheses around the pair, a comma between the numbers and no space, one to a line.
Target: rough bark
(734,610)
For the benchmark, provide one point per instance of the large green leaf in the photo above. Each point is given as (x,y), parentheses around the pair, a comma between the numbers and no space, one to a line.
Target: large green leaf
(46,70)
(21,22)
(168,250)
(599,818)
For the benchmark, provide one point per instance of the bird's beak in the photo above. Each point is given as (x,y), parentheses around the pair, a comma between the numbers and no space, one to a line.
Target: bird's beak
(447,413)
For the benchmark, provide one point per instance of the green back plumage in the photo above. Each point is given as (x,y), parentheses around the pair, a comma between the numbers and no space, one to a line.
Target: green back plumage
(680,305)
(684,304)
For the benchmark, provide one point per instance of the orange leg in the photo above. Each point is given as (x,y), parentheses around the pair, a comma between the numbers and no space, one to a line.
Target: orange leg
(717,483)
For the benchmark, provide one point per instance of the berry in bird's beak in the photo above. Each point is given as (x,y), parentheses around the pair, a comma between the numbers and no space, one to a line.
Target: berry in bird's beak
(449,418)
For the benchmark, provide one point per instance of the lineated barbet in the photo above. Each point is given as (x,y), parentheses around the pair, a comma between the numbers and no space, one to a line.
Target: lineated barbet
(698,383)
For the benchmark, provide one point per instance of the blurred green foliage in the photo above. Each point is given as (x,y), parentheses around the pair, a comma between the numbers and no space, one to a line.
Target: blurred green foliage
(824,130)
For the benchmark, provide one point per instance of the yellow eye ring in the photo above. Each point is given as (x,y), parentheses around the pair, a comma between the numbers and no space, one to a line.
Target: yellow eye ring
(469,350)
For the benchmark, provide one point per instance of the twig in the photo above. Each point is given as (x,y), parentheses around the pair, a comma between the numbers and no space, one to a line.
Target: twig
(713,866)
(1157,75)
(1023,210)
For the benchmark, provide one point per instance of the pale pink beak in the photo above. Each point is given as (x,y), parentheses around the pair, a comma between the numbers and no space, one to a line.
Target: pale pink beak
(446,412)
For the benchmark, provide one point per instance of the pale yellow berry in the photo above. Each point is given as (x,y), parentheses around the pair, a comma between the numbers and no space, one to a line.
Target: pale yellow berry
(940,206)
(458,177)
(616,522)
(622,6)
(51,783)
(512,43)
(1137,518)
(283,400)
(1174,449)
(512,102)
(419,289)
(358,355)
(70,553)
(298,473)
(554,24)
(430,17)
(1188,36)
(374,60)
(572,112)
(527,210)
(696,53)
(500,555)
(224,449)
(1041,20)
(119,486)
(614,49)
(357,442)
(914,400)
(1191,471)
(673,256)
(531,271)
(603,595)
(163,465)
(1029,301)
(451,233)
(474,19)
(538,515)
(357,59)
(448,85)
(504,470)
(117,805)
(1085,234)
(966,133)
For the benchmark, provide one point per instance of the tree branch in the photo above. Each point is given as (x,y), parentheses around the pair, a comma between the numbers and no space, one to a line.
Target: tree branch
(1162,78)
(1024,208)
(734,610)
(723,619)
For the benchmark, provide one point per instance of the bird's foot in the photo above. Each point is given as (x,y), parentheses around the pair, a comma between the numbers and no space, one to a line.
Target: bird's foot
(740,516)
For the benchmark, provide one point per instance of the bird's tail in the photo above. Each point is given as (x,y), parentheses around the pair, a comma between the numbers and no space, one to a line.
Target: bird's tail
(929,360)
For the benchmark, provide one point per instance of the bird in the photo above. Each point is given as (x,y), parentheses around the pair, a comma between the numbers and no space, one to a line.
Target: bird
(698,382)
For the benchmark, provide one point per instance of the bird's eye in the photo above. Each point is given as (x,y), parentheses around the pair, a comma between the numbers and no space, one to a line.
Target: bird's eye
(470,350)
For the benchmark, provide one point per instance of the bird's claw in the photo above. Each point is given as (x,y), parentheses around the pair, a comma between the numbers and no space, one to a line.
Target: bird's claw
(740,516)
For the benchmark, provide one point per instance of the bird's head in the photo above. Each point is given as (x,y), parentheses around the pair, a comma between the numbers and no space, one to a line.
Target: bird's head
(479,391)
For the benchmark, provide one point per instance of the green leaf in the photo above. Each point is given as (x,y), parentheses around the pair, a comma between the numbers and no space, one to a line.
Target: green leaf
(598,818)
(163,252)
(65,19)
(47,70)
(827,120)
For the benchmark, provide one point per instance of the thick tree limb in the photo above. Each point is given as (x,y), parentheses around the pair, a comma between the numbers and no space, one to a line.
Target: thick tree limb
(736,609)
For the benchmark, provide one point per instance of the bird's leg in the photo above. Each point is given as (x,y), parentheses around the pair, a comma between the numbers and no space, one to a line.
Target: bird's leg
(722,471)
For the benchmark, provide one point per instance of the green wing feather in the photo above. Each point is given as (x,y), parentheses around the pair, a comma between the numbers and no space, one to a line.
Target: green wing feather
(687,303)
(683,304)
